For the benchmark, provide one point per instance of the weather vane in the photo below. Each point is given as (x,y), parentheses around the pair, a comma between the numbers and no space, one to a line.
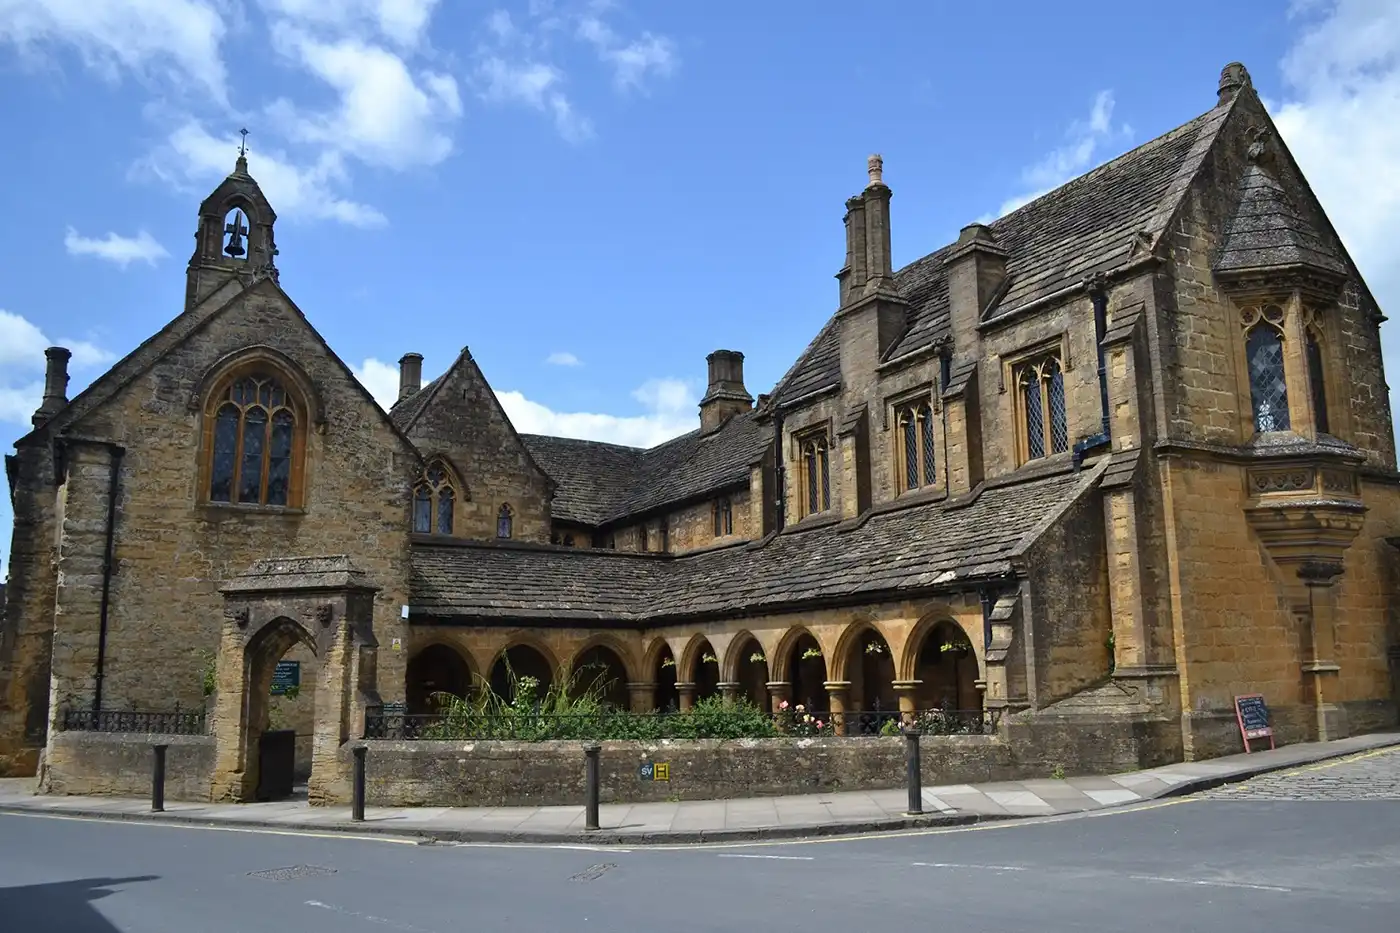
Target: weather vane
(243,146)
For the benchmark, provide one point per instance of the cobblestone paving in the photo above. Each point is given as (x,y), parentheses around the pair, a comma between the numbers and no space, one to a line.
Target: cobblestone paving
(1367,776)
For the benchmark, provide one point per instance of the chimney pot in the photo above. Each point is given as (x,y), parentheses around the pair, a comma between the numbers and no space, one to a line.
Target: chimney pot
(1233,77)
(410,374)
(725,395)
(55,384)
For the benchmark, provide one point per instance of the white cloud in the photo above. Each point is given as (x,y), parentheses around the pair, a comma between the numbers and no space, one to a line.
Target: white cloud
(167,40)
(630,61)
(381,379)
(22,364)
(385,116)
(536,85)
(1338,118)
(194,160)
(122,250)
(1083,148)
(403,22)
(562,359)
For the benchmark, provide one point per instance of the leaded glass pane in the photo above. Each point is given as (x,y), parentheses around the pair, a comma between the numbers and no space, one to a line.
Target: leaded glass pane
(422,509)
(911,452)
(1267,386)
(436,476)
(930,462)
(1035,417)
(718,518)
(444,511)
(728,517)
(1059,427)
(225,454)
(243,391)
(812,481)
(279,460)
(265,393)
(250,471)
(503,522)
(1319,388)
(826,480)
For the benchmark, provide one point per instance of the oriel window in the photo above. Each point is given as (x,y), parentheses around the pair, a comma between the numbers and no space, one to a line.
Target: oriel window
(1268,387)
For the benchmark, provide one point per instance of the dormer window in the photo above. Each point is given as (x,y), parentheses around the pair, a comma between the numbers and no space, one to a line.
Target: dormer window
(814,458)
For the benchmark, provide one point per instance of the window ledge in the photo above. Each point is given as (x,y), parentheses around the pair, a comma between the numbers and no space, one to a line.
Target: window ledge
(250,508)
(816,520)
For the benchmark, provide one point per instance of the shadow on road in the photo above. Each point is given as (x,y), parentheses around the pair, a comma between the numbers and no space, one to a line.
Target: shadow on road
(62,906)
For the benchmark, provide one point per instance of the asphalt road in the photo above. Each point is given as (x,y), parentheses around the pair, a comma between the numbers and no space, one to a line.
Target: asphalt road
(1247,859)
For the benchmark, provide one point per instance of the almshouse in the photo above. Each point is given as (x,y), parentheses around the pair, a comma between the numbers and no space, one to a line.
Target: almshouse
(1100,466)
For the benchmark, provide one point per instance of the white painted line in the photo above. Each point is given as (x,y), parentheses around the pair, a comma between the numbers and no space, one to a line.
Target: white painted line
(368,918)
(973,867)
(1212,883)
(533,845)
(782,858)
(1110,797)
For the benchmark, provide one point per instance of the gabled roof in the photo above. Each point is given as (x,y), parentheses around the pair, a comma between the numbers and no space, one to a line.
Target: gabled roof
(1268,231)
(900,552)
(1089,224)
(592,478)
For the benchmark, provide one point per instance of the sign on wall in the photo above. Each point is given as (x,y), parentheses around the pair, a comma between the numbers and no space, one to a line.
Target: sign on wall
(1253,716)
(286,676)
(655,771)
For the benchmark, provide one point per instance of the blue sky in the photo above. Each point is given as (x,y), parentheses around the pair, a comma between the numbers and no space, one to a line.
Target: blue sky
(594,195)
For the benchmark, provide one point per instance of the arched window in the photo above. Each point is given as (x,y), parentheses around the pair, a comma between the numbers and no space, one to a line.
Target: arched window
(1044,418)
(724,517)
(256,439)
(434,500)
(917,464)
(1268,388)
(505,520)
(816,475)
(1317,383)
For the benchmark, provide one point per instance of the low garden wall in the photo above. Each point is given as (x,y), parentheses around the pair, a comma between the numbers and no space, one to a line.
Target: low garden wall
(119,765)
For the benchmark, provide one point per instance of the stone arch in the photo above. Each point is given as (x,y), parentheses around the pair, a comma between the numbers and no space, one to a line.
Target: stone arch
(517,653)
(437,667)
(695,670)
(751,676)
(665,696)
(624,654)
(841,655)
(272,358)
(685,664)
(865,661)
(909,659)
(948,678)
(613,679)
(778,662)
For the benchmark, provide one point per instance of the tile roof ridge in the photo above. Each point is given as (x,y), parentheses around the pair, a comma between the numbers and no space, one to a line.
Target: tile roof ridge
(1086,484)
(584,440)
(774,397)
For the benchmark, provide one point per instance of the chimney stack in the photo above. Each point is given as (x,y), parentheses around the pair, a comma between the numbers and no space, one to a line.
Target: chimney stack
(55,384)
(726,395)
(410,374)
(1233,78)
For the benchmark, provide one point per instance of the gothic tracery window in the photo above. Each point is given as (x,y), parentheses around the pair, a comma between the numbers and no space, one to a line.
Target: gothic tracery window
(816,474)
(1041,397)
(724,517)
(256,439)
(914,452)
(1268,385)
(434,501)
(505,521)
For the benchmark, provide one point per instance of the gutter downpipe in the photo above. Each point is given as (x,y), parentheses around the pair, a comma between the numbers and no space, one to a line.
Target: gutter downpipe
(779,474)
(1100,302)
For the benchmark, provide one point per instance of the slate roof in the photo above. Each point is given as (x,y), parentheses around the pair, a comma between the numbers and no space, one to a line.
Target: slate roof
(405,411)
(1267,230)
(1086,225)
(600,483)
(892,553)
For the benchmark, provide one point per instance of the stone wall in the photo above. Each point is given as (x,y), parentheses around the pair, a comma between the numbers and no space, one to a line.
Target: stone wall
(120,765)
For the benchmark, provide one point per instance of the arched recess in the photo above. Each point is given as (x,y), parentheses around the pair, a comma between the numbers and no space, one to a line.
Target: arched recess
(660,663)
(700,666)
(600,666)
(747,665)
(436,669)
(260,657)
(865,660)
(256,414)
(522,658)
(271,357)
(947,665)
(439,495)
(801,663)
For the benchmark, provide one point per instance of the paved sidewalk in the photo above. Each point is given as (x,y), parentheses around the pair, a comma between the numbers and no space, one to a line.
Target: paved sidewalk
(716,820)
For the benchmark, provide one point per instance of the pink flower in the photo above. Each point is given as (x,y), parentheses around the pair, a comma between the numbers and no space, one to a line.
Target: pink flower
(783,705)
(819,723)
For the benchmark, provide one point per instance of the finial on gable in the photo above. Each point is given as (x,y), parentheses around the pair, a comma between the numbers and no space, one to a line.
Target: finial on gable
(1232,77)
(241,166)
(875,167)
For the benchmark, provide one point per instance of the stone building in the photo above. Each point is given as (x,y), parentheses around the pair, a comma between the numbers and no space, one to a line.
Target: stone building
(1100,466)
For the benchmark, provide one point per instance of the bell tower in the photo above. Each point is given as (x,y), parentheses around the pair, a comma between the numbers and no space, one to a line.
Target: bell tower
(234,238)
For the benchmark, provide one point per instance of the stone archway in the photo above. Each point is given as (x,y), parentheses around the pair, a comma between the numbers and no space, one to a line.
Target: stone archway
(946,669)
(322,603)
(433,671)
(599,669)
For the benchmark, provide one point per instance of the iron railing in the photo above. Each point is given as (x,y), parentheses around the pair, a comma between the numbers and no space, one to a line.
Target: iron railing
(179,722)
(618,724)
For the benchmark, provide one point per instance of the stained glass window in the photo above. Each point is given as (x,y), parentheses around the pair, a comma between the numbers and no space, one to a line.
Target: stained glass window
(434,500)
(254,442)
(1317,384)
(1268,388)
(504,522)
(422,509)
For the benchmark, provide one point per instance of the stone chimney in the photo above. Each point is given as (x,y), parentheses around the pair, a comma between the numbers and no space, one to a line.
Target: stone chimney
(1233,78)
(976,270)
(726,395)
(410,374)
(55,384)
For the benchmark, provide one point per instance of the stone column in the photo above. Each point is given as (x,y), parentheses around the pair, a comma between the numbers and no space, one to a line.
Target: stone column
(686,695)
(908,693)
(642,696)
(730,691)
(779,692)
(1320,668)
(836,691)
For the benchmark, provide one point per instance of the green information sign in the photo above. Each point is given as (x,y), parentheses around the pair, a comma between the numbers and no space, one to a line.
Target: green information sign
(286,676)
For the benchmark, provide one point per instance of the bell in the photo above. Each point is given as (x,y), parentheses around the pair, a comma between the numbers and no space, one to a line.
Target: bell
(235,230)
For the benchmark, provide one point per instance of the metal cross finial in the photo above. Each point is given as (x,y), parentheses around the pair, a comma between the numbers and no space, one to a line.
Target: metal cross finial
(243,146)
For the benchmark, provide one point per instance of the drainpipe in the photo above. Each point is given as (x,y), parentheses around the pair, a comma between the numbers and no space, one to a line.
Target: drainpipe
(945,373)
(985,596)
(779,474)
(1100,302)
(113,478)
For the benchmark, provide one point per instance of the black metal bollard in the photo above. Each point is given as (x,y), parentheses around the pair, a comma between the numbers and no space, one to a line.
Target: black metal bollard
(357,793)
(158,779)
(913,773)
(590,787)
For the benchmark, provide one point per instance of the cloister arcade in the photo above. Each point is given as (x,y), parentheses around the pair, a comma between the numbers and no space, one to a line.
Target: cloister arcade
(861,667)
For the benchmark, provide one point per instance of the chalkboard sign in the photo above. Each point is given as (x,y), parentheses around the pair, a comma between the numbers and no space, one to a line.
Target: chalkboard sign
(1253,716)
(285,676)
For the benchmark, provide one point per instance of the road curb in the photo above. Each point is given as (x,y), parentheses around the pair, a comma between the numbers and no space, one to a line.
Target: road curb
(1196,785)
